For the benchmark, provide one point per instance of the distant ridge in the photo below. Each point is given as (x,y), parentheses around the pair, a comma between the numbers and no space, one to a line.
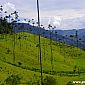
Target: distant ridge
(60,37)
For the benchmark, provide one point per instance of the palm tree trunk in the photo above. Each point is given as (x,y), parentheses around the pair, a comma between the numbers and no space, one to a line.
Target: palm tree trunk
(51,51)
(40,53)
(14,45)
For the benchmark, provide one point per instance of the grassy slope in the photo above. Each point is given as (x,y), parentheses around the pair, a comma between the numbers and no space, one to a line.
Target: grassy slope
(65,57)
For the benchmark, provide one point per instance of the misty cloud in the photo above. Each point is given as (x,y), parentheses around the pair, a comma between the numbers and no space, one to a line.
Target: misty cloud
(9,7)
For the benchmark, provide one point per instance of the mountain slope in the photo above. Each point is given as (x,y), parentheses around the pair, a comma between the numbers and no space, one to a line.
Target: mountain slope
(57,35)
(26,51)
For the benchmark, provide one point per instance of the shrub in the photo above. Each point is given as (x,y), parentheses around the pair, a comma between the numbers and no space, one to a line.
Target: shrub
(13,80)
(69,83)
(49,81)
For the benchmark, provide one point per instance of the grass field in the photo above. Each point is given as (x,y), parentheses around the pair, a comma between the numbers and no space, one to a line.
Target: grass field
(25,47)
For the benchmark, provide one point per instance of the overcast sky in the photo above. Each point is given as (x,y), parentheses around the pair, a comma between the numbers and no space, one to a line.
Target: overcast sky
(64,14)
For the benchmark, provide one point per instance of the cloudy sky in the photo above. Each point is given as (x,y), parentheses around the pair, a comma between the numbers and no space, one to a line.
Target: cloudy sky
(64,14)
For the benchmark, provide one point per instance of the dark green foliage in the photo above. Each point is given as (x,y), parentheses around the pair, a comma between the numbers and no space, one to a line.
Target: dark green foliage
(49,81)
(13,80)
(69,83)
(19,63)
(5,27)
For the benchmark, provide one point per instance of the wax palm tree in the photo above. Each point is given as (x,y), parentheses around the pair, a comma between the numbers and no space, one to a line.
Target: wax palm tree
(76,38)
(29,29)
(40,51)
(25,30)
(8,17)
(13,41)
(5,14)
(76,41)
(33,23)
(14,38)
(44,45)
(56,35)
(1,10)
(16,14)
(29,21)
(41,26)
(50,28)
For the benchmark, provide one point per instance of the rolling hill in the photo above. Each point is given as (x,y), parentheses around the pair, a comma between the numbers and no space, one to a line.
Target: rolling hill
(19,55)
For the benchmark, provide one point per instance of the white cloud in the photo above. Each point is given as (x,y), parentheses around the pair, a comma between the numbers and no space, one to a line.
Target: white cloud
(57,21)
(75,23)
(64,13)
(65,18)
(49,21)
(9,7)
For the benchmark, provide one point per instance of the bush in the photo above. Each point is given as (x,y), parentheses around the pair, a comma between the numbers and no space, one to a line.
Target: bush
(49,81)
(13,80)
(70,83)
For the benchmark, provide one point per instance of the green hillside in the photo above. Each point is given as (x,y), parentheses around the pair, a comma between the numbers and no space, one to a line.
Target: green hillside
(68,61)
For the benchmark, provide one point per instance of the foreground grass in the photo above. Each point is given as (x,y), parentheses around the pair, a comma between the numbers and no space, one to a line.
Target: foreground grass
(26,65)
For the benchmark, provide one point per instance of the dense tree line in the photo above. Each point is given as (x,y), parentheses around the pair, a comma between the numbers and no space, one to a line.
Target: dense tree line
(5,27)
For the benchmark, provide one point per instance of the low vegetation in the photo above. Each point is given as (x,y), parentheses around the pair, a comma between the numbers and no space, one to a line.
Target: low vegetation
(68,61)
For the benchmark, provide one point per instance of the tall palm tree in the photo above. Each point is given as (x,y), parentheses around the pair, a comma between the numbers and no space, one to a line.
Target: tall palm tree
(1,10)
(5,18)
(5,14)
(56,35)
(44,45)
(29,29)
(50,28)
(77,41)
(13,44)
(25,29)
(28,21)
(40,52)
(9,17)
(16,14)
(14,38)
(76,38)
(41,26)
(33,23)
